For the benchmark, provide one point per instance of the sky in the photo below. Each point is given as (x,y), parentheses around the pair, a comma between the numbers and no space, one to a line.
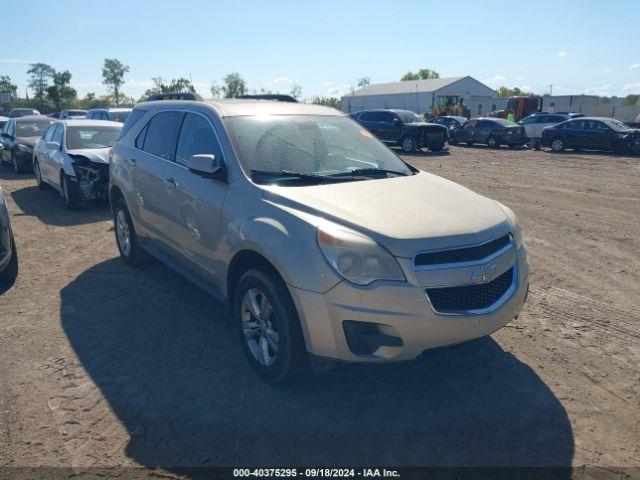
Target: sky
(589,47)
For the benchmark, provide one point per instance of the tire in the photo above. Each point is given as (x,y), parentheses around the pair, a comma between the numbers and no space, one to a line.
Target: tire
(10,273)
(16,164)
(492,142)
(437,148)
(269,327)
(36,170)
(126,238)
(69,192)
(557,145)
(408,144)
(469,144)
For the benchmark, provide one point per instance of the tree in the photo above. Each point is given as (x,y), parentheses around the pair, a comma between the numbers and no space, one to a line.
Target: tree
(7,86)
(332,102)
(113,76)
(296,91)
(632,99)
(216,90)
(234,86)
(60,92)
(39,76)
(506,92)
(180,84)
(423,74)
(363,82)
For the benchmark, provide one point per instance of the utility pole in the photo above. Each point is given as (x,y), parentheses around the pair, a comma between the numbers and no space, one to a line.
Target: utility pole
(551,90)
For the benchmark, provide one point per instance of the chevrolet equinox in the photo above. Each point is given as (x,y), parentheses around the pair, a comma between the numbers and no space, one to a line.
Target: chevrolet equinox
(323,242)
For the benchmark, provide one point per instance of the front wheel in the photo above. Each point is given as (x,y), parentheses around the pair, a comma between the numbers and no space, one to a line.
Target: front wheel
(492,142)
(269,327)
(10,273)
(38,174)
(69,192)
(126,238)
(557,145)
(408,144)
(437,147)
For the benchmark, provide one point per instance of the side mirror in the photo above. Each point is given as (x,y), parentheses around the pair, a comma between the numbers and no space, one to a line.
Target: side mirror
(5,135)
(53,146)
(207,166)
(396,121)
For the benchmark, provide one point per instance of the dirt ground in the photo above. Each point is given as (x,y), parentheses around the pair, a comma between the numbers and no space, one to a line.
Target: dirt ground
(103,365)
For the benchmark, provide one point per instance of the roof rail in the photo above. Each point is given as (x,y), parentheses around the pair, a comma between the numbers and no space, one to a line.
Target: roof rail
(270,96)
(174,96)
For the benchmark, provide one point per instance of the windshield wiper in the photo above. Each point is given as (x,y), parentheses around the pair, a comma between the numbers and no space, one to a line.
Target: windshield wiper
(312,178)
(369,171)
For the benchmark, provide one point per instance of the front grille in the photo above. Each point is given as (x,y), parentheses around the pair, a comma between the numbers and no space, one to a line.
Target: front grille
(470,297)
(464,254)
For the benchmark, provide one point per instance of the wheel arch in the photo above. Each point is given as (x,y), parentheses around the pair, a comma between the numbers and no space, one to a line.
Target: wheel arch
(242,261)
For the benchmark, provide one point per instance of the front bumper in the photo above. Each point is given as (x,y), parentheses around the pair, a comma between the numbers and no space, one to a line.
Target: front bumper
(513,140)
(400,310)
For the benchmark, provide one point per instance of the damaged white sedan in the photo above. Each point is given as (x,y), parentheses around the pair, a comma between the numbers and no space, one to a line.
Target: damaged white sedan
(72,156)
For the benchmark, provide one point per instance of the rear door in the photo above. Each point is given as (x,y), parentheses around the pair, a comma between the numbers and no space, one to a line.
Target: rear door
(483,130)
(465,134)
(575,133)
(194,224)
(155,147)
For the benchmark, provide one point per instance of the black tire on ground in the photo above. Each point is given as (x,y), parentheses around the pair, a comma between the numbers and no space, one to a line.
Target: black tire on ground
(557,145)
(437,147)
(291,361)
(408,144)
(16,164)
(10,273)
(133,254)
(469,144)
(36,170)
(69,192)
(492,142)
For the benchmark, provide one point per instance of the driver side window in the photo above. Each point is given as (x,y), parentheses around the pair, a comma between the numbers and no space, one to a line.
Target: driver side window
(58,135)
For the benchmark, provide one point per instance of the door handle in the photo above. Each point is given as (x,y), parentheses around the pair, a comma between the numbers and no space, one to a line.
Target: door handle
(133,162)
(171,182)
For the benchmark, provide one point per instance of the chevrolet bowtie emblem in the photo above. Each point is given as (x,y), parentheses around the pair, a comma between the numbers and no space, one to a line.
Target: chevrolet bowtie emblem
(483,274)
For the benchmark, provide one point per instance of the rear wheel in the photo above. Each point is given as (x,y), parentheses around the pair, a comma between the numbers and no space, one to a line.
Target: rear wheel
(437,147)
(269,327)
(557,145)
(126,238)
(492,142)
(408,144)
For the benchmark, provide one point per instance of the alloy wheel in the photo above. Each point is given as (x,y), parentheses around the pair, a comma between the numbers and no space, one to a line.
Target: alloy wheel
(36,170)
(123,232)
(557,145)
(259,331)
(408,144)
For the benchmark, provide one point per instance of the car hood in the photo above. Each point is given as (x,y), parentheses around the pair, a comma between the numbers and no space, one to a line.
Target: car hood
(424,124)
(98,155)
(29,141)
(404,214)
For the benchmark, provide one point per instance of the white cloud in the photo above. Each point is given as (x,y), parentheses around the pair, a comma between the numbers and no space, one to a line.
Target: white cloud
(561,54)
(602,90)
(634,66)
(519,78)
(16,60)
(495,81)
(337,91)
(629,89)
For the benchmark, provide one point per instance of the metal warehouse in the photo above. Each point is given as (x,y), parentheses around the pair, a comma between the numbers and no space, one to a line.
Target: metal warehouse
(432,96)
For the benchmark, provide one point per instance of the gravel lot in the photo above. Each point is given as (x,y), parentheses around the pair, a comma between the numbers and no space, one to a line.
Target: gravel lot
(104,365)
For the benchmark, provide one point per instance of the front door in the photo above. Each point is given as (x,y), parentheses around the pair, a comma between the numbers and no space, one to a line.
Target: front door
(194,222)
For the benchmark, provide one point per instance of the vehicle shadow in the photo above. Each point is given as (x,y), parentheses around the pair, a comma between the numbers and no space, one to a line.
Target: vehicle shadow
(423,153)
(48,206)
(168,361)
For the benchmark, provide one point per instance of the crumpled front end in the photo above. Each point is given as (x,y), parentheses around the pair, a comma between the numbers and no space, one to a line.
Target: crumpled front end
(92,177)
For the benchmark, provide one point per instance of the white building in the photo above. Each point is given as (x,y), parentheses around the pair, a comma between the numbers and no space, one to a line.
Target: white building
(426,96)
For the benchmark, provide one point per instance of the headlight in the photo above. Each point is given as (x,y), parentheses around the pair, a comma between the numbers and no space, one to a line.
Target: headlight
(356,257)
(25,148)
(514,224)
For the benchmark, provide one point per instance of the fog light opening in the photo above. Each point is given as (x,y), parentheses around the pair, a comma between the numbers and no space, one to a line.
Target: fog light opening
(364,338)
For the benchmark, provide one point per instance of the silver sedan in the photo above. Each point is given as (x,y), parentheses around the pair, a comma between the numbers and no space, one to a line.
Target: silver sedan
(72,156)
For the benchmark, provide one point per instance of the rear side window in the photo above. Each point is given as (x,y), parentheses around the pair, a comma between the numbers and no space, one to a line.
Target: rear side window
(196,138)
(161,135)
(132,119)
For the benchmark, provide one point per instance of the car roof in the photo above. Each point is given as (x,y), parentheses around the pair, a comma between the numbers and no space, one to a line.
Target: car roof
(32,117)
(244,107)
(83,122)
(111,109)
